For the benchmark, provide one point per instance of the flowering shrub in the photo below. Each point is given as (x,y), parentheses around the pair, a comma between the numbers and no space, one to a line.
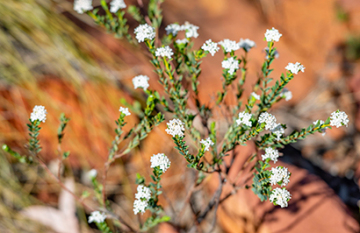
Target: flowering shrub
(177,65)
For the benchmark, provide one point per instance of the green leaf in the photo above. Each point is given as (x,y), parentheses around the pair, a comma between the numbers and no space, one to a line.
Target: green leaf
(66,154)
(139,179)
(135,13)
(85,194)
(165,219)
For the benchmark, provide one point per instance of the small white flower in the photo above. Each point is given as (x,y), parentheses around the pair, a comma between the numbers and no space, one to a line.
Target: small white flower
(181,41)
(272,35)
(207,143)
(256,96)
(190,30)
(173,29)
(140,206)
(271,153)
(160,160)
(295,68)
(143,192)
(96,216)
(125,111)
(246,44)
(116,5)
(143,195)
(338,119)
(244,118)
(211,47)
(323,130)
(141,81)
(279,174)
(269,119)
(81,6)
(144,31)
(164,52)
(278,130)
(175,127)
(280,197)
(39,113)
(229,45)
(231,63)
(286,94)
(92,173)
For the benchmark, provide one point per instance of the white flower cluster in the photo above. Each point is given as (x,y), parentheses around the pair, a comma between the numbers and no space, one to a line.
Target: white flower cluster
(39,113)
(271,153)
(279,174)
(244,118)
(272,35)
(232,64)
(164,52)
(160,160)
(256,96)
(268,119)
(96,216)
(278,130)
(190,29)
(143,192)
(81,6)
(295,68)
(115,5)
(142,197)
(173,29)
(286,94)
(229,45)
(125,111)
(175,127)
(139,206)
(207,143)
(211,47)
(181,41)
(338,119)
(270,124)
(246,44)
(141,81)
(280,197)
(144,31)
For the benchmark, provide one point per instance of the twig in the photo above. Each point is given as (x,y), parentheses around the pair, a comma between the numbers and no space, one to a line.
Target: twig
(215,217)
(188,196)
(140,2)
(80,200)
(234,191)
(114,216)
(214,200)
(170,204)
(104,177)
(60,161)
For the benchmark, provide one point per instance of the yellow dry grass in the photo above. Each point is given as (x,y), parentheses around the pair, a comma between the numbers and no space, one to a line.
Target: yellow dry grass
(46,60)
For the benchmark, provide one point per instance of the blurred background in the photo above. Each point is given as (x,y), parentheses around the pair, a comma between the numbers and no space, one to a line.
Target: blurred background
(52,56)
